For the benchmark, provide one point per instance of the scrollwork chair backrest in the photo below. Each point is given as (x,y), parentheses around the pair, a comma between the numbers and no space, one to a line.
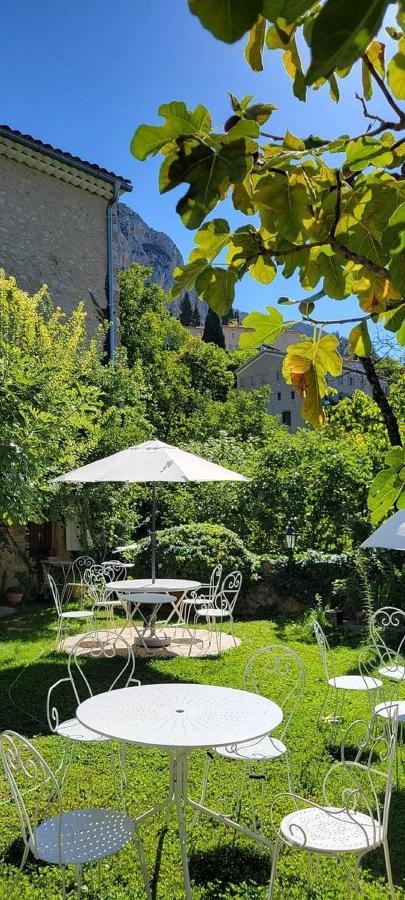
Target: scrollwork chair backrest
(32,783)
(214,583)
(387,632)
(229,591)
(79,566)
(55,593)
(95,581)
(96,645)
(364,784)
(324,648)
(113,570)
(277,672)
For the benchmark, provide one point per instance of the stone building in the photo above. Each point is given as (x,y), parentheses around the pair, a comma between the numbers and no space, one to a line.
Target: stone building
(265,369)
(56,224)
(232,333)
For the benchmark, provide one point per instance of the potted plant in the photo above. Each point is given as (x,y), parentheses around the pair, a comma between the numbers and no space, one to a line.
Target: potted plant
(16,592)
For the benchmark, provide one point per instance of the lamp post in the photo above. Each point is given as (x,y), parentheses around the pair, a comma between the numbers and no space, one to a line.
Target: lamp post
(291,535)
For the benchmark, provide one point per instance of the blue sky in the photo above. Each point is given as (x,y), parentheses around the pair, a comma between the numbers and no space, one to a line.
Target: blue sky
(83,75)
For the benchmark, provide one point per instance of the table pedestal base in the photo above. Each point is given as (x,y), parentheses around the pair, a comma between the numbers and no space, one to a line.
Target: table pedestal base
(154,640)
(178,797)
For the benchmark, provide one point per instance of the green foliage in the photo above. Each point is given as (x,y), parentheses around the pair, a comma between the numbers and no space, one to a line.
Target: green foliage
(328,210)
(50,401)
(228,21)
(338,32)
(341,33)
(180,372)
(265,328)
(388,487)
(195,550)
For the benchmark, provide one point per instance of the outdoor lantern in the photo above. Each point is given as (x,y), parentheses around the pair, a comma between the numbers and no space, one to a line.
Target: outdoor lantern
(291,537)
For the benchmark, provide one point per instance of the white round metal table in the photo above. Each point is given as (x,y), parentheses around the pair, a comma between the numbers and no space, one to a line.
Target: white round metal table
(160,585)
(179,718)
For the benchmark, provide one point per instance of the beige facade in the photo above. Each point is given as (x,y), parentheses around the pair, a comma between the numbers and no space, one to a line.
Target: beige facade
(232,334)
(53,223)
(266,370)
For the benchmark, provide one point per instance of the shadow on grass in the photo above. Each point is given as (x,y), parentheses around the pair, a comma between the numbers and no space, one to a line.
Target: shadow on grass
(24,689)
(219,866)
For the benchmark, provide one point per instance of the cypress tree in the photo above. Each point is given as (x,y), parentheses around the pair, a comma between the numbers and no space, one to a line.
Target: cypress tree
(186,311)
(195,316)
(213,333)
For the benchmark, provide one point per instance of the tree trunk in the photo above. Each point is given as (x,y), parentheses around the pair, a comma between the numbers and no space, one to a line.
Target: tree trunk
(382,401)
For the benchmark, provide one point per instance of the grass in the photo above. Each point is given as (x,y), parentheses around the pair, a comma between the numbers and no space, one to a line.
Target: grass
(222,865)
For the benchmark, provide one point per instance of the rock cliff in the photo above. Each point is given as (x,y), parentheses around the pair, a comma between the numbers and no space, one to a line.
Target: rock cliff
(135,241)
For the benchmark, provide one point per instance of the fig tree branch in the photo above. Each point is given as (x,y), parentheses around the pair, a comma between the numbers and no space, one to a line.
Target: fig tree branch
(383,87)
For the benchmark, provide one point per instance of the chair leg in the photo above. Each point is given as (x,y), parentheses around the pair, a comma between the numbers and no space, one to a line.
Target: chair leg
(232,629)
(207,764)
(58,634)
(388,868)
(356,878)
(63,871)
(323,707)
(24,857)
(142,862)
(79,878)
(338,712)
(289,778)
(276,851)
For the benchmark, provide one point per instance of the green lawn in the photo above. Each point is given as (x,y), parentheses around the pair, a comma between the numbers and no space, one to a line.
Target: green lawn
(222,865)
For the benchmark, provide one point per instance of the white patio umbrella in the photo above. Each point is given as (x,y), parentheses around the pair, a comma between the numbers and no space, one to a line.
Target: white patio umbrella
(152,461)
(390,535)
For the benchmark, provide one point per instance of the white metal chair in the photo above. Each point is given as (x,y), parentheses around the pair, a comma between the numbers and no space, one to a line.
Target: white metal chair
(96,580)
(96,646)
(76,575)
(339,684)
(204,596)
(387,633)
(275,672)
(66,838)
(69,615)
(114,570)
(353,819)
(222,608)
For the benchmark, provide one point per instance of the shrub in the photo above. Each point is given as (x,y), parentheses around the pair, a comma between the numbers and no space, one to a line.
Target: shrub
(309,574)
(192,551)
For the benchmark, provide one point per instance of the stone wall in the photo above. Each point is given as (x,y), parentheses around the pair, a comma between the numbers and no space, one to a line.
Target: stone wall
(54,233)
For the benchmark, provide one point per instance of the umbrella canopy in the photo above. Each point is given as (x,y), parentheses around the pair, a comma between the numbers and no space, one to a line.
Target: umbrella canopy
(152,461)
(390,535)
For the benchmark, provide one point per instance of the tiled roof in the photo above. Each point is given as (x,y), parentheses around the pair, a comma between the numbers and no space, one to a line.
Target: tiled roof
(76,161)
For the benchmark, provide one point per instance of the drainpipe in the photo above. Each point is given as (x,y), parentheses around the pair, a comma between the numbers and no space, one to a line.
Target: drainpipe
(110,273)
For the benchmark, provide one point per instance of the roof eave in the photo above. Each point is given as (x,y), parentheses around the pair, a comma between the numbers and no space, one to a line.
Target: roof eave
(111,179)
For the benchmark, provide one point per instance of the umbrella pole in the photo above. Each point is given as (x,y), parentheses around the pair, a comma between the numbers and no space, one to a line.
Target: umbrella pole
(153,532)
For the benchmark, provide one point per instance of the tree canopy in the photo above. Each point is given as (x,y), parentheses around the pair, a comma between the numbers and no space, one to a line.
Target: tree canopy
(331,210)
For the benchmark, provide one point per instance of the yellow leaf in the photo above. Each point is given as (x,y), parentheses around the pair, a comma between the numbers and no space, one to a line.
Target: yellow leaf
(292,142)
(301,373)
(263,269)
(312,409)
(374,291)
(396,72)
(255,44)
(305,367)
(359,340)
(375,53)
